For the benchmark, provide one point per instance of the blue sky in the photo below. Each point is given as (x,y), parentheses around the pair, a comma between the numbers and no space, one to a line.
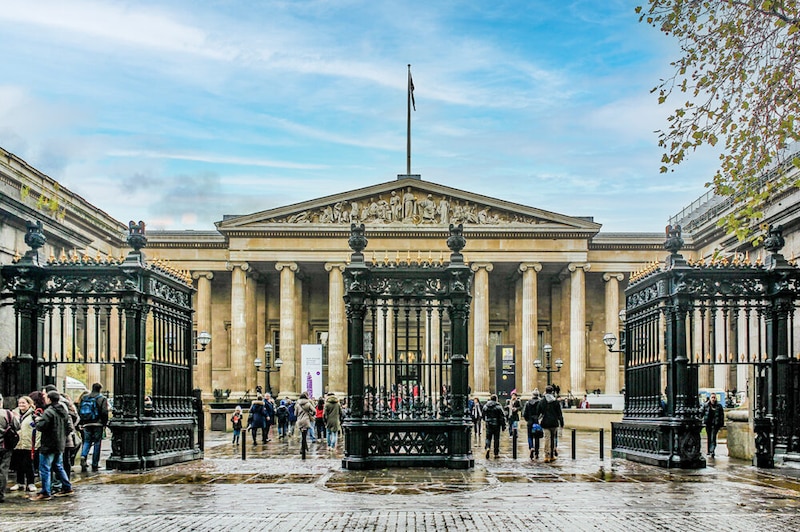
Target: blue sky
(179,112)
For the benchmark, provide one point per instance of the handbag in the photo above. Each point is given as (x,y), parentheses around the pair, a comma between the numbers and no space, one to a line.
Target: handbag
(77,441)
(537,430)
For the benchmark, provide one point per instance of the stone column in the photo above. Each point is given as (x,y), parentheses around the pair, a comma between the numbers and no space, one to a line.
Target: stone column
(238,375)
(204,365)
(337,329)
(530,324)
(480,321)
(577,328)
(612,326)
(288,338)
(252,348)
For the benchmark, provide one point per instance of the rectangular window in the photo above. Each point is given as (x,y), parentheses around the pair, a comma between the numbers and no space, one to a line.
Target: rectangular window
(276,344)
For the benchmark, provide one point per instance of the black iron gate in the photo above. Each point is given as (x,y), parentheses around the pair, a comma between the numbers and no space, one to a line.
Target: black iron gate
(407,372)
(128,324)
(691,322)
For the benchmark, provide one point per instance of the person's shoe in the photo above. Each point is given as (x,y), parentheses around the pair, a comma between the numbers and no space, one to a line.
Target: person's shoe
(531,454)
(555,453)
(496,456)
(16,487)
(712,454)
(487,454)
(31,488)
(65,493)
(95,468)
(41,497)
(84,468)
(536,456)
(548,460)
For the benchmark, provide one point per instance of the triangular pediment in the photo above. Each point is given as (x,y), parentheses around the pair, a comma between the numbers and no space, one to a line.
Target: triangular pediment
(407,202)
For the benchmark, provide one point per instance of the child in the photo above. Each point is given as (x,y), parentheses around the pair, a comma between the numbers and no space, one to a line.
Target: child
(236,420)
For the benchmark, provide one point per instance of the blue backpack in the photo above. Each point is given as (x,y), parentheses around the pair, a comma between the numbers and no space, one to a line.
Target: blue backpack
(89,412)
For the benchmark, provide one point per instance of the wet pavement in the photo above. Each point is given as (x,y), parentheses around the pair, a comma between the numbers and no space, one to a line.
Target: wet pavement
(274,489)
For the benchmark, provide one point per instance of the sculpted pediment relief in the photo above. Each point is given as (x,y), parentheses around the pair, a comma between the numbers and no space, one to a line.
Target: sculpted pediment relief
(409,202)
(406,206)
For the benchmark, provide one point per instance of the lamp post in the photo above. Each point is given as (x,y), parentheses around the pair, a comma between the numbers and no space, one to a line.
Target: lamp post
(548,368)
(610,338)
(268,365)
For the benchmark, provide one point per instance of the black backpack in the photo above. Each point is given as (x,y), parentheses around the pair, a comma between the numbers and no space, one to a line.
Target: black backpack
(10,435)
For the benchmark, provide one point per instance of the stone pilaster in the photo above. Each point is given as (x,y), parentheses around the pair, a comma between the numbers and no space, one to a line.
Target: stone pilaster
(612,326)
(252,348)
(530,324)
(577,328)
(480,322)
(289,350)
(204,365)
(337,329)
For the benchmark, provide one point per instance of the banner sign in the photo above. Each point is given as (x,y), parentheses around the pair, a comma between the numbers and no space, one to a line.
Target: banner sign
(505,371)
(311,370)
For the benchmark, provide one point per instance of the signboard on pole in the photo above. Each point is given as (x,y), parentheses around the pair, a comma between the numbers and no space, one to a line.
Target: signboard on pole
(311,370)
(505,371)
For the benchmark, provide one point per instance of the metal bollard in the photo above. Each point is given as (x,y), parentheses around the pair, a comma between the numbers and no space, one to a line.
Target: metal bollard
(573,444)
(602,433)
(244,445)
(514,444)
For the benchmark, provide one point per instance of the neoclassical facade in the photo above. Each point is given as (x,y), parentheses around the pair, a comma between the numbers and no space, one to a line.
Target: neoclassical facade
(275,276)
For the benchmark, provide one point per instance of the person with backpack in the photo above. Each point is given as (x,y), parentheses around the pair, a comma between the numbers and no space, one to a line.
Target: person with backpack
(282,415)
(535,431)
(495,423)
(93,414)
(549,412)
(9,438)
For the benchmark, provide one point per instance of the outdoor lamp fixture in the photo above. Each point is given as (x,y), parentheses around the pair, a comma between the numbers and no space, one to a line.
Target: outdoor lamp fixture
(204,338)
(548,368)
(610,339)
(268,365)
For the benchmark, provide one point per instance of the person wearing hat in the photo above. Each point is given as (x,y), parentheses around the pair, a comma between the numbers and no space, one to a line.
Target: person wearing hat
(531,417)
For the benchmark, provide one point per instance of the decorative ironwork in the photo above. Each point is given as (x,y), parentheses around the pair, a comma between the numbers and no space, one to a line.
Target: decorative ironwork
(130,321)
(688,320)
(407,394)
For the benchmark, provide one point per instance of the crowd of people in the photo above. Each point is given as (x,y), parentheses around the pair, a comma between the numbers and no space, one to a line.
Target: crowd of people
(542,415)
(317,419)
(43,436)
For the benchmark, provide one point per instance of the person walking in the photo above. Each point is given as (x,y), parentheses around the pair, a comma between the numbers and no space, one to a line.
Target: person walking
(535,431)
(476,413)
(22,457)
(319,418)
(333,420)
(236,423)
(257,419)
(495,423)
(52,425)
(93,414)
(713,419)
(513,409)
(549,411)
(292,415)
(282,415)
(305,412)
(8,419)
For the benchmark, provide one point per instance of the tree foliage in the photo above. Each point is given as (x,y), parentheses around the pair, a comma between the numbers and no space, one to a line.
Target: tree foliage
(737,82)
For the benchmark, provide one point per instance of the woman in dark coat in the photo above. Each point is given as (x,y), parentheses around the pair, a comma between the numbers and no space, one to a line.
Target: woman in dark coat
(258,418)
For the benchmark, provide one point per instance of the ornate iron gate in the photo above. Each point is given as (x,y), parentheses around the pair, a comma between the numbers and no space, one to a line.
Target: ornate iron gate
(690,320)
(128,317)
(407,372)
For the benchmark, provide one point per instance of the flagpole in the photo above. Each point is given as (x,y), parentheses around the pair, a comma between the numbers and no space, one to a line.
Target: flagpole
(408,122)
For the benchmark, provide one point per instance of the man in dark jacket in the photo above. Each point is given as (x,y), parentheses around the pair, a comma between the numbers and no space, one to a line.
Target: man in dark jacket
(713,419)
(52,426)
(495,423)
(93,425)
(531,415)
(549,410)
(7,417)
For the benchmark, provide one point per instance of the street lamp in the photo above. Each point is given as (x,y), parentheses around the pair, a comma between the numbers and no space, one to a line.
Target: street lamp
(548,351)
(204,338)
(610,338)
(268,365)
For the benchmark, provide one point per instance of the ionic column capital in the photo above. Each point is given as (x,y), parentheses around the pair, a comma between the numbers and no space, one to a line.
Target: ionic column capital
(475,266)
(338,265)
(205,275)
(241,265)
(585,266)
(535,266)
(618,276)
(291,265)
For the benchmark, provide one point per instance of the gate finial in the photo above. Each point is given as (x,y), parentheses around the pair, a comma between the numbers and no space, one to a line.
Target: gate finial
(674,242)
(774,240)
(456,242)
(357,242)
(35,238)
(136,235)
